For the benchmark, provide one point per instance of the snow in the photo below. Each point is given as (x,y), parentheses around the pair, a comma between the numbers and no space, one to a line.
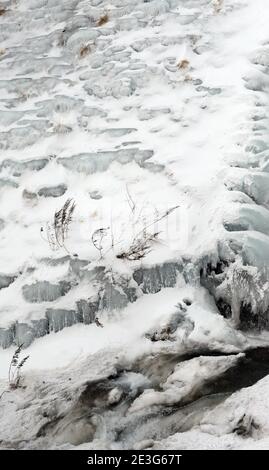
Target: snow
(126,330)
(164,106)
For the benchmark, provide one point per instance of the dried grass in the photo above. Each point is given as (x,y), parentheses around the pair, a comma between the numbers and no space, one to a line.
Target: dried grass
(103,20)
(84,51)
(183,64)
(14,372)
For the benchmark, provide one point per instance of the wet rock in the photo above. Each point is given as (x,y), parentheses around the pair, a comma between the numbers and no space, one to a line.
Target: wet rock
(6,337)
(90,163)
(153,167)
(178,320)
(59,104)
(251,320)
(118,132)
(61,129)
(112,297)
(139,46)
(25,165)
(44,291)
(76,266)
(59,318)
(93,112)
(211,91)
(224,308)
(124,86)
(19,137)
(29,195)
(152,280)
(96,275)
(26,333)
(55,261)
(197,82)
(95,195)
(144,114)
(6,280)
(52,191)
(245,426)
(87,310)
(5,182)
(239,289)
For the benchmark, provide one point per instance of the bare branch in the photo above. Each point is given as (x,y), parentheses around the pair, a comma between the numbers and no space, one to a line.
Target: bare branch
(130,200)
(140,247)
(97,239)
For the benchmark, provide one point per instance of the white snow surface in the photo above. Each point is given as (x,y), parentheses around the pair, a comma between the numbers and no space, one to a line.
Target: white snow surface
(163,105)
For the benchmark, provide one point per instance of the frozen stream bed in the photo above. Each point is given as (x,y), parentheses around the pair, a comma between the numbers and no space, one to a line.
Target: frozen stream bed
(134,223)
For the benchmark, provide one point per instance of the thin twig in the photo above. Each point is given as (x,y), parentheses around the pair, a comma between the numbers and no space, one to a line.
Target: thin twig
(130,200)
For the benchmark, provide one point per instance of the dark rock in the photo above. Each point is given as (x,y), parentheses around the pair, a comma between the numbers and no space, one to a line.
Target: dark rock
(59,318)
(25,333)
(26,165)
(6,337)
(43,291)
(30,196)
(56,261)
(152,280)
(112,297)
(95,195)
(5,182)
(6,280)
(177,320)
(53,191)
(76,266)
(87,310)
(250,320)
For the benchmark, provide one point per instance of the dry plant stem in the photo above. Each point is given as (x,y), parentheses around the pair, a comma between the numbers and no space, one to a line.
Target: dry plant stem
(97,239)
(183,64)
(15,368)
(103,20)
(14,361)
(62,220)
(84,51)
(139,247)
(158,219)
(112,234)
(142,242)
(130,200)
(57,232)
(5,391)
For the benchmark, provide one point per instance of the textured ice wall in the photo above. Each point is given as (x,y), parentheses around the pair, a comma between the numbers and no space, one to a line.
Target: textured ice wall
(95,97)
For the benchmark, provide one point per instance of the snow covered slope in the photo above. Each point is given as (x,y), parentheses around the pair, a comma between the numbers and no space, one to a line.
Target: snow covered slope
(151,117)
